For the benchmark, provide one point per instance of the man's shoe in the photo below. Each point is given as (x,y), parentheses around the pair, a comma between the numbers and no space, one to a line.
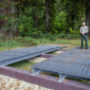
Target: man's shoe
(81,48)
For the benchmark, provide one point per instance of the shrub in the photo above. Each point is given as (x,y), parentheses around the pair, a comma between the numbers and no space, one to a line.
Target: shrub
(60,22)
(26,26)
(27,40)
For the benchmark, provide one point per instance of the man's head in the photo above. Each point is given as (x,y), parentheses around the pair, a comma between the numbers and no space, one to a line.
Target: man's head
(83,23)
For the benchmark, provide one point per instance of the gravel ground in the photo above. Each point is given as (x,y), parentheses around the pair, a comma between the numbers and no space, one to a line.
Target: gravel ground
(8,83)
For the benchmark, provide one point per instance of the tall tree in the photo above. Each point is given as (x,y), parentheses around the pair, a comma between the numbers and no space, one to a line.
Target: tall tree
(50,15)
(88,13)
(47,15)
(8,11)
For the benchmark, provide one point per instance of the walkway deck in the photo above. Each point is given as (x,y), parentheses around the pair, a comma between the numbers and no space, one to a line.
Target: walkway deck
(12,56)
(72,63)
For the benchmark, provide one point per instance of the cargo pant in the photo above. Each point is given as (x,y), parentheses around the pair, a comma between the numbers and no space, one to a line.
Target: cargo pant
(84,37)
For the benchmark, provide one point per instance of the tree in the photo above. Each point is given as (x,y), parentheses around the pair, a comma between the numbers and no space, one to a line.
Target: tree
(8,13)
(40,15)
(50,15)
(88,13)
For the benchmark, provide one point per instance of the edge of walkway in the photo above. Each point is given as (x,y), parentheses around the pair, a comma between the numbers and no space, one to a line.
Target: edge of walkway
(42,80)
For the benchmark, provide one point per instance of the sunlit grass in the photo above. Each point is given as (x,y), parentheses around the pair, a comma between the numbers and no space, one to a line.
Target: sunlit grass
(74,42)
(24,65)
(20,42)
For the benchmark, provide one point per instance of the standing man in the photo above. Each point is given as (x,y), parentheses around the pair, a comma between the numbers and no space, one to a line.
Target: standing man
(84,35)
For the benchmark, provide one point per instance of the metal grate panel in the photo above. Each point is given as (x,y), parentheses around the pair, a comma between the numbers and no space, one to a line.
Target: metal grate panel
(12,56)
(72,63)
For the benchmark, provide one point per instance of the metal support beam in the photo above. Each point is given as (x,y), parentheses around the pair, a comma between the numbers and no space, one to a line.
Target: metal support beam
(61,78)
(35,71)
(46,55)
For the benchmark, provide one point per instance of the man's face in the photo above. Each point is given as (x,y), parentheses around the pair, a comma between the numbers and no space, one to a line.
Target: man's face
(83,24)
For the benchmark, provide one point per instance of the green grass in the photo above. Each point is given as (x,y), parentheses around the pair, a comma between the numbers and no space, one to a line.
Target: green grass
(82,81)
(20,42)
(74,42)
(24,65)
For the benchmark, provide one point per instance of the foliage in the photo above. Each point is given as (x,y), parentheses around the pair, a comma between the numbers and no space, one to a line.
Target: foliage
(27,40)
(75,13)
(19,42)
(60,22)
(52,12)
(25,25)
(28,17)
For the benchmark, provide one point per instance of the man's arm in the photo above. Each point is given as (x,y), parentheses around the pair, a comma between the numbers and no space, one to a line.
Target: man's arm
(82,33)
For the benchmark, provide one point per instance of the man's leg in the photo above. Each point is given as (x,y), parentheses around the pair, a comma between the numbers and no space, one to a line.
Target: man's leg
(82,38)
(86,41)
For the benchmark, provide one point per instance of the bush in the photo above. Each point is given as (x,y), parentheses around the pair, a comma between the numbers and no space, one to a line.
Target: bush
(69,36)
(60,22)
(26,26)
(27,40)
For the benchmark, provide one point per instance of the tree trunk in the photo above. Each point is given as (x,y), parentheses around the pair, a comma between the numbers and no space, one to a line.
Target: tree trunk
(35,15)
(47,15)
(3,21)
(88,14)
(8,11)
(13,17)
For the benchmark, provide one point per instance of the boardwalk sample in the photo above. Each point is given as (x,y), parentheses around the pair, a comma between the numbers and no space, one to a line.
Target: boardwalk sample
(72,63)
(13,56)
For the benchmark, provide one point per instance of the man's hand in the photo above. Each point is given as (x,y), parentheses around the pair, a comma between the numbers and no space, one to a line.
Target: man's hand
(82,33)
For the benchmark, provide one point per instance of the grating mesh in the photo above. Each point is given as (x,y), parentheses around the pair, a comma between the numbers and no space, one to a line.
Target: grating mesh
(73,63)
(12,56)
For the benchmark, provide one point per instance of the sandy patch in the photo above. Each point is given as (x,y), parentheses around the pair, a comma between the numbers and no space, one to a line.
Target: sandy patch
(7,83)
(37,59)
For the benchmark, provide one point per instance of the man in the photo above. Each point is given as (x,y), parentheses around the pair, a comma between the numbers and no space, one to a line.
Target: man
(84,35)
